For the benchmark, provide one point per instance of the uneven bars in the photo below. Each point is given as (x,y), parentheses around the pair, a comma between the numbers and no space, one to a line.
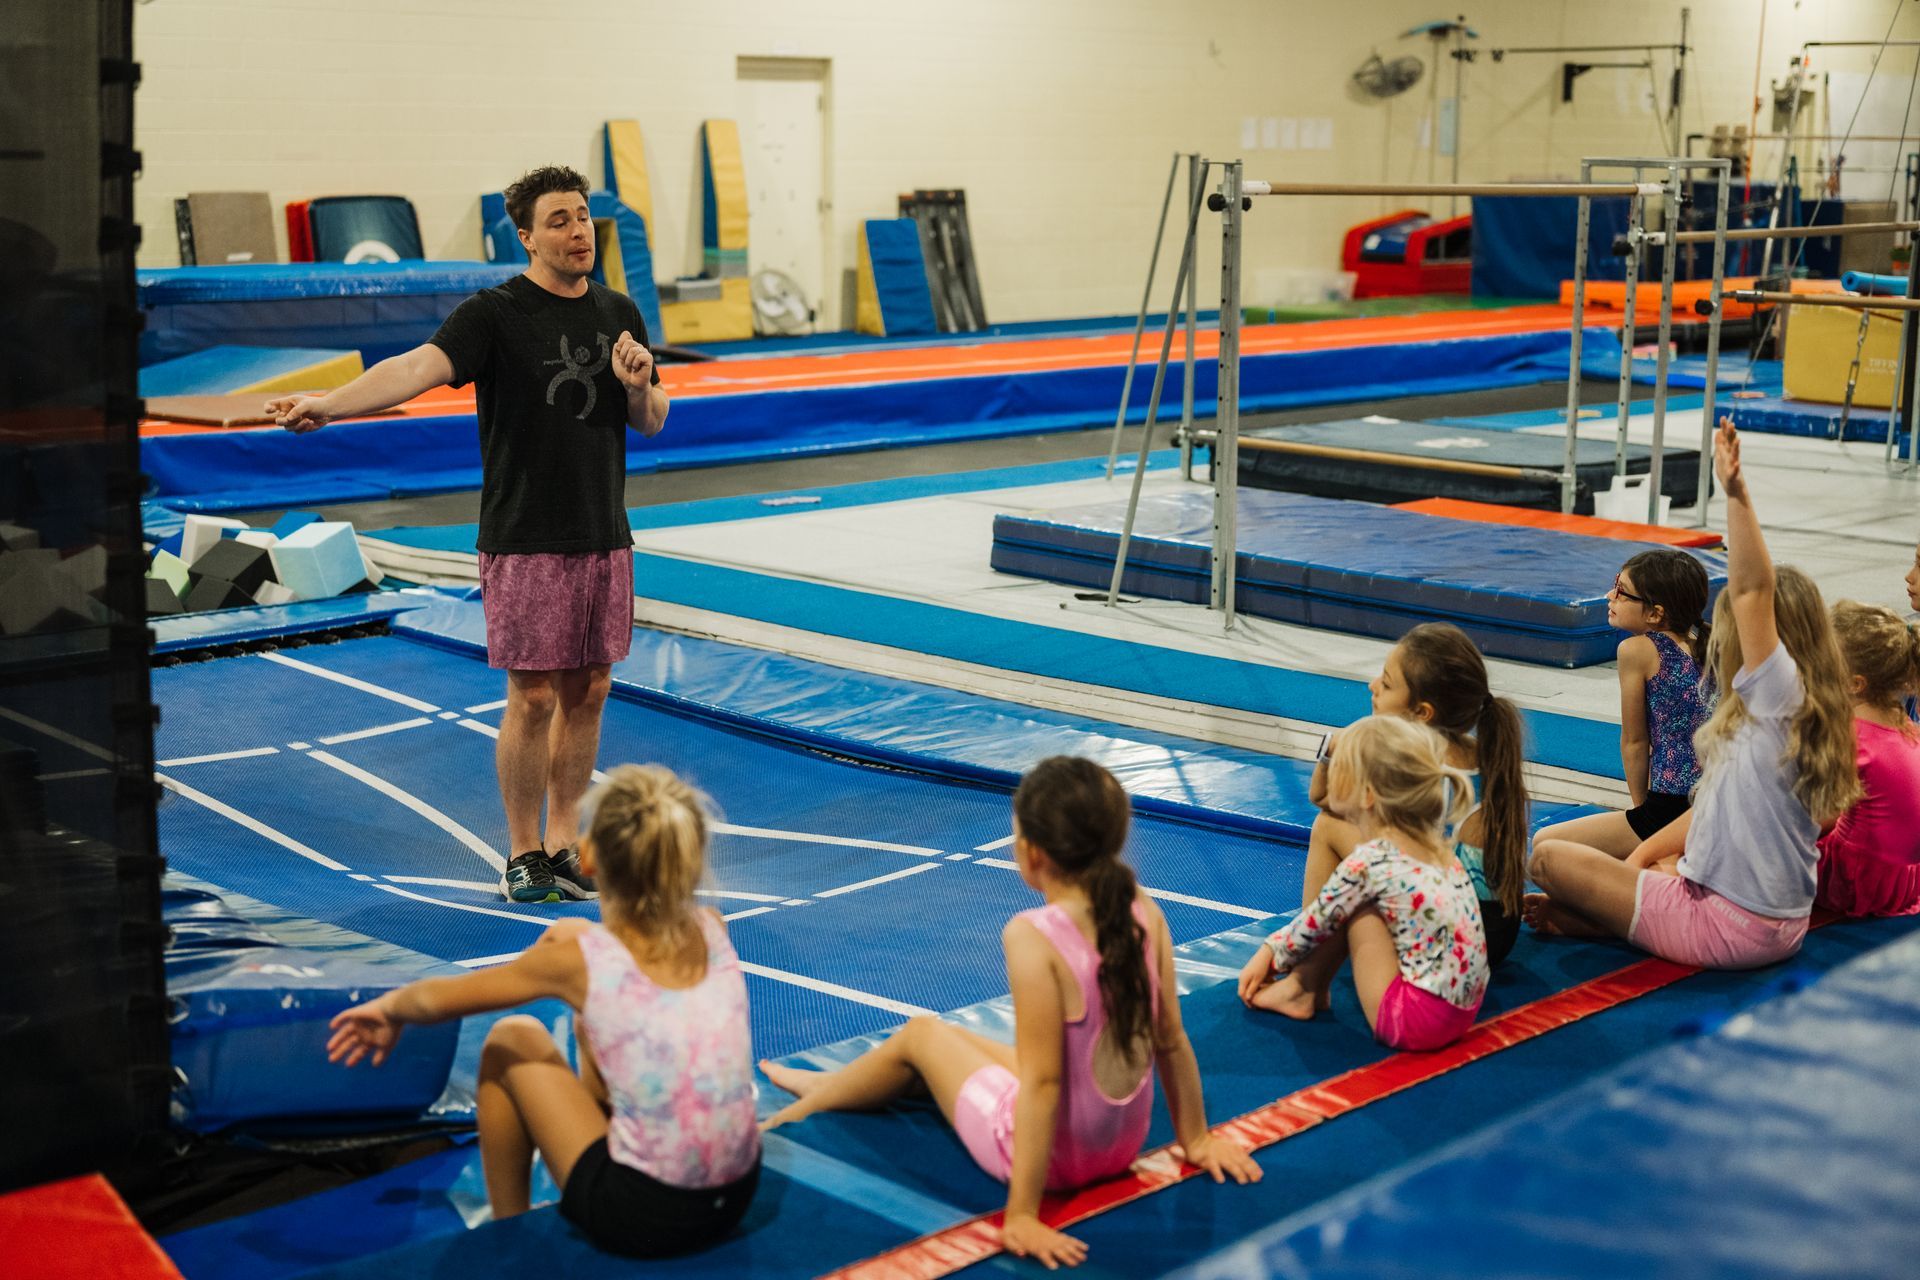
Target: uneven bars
(1786,233)
(1253,188)
(1262,444)
(1850,301)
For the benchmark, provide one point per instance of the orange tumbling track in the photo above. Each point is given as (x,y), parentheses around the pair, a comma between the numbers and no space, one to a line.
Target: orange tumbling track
(1612,294)
(1592,526)
(977,359)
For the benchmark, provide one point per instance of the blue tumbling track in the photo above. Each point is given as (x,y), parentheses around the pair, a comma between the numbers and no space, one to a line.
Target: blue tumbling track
(1532,594)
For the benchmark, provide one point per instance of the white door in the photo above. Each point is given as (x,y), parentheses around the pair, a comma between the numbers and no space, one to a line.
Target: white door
(782,144)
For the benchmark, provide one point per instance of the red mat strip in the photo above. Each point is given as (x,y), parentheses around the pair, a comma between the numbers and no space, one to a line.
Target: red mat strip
(977,1239)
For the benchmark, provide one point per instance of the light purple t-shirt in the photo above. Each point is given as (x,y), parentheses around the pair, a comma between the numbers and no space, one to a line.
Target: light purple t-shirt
(1752,841)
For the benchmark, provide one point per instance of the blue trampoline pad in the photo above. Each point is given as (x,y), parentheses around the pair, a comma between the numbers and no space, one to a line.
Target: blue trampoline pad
(832,870)
(1778,1143)
(1533,594)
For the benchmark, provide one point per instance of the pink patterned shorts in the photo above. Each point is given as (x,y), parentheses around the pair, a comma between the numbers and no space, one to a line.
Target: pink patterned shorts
(557,612)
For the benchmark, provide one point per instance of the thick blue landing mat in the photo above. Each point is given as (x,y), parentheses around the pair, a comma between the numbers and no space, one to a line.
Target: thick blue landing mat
(1773,415)
(368,807)
(1379,478)
(1532,594)
(1781,1144)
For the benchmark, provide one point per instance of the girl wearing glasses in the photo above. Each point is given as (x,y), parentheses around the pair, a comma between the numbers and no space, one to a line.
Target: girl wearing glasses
(1660,600)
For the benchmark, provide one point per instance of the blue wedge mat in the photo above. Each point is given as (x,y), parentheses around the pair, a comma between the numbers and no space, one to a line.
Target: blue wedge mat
(330,844)
(1781,1144)
(255,468)
(1774,415)
(224,369)
(1532,594)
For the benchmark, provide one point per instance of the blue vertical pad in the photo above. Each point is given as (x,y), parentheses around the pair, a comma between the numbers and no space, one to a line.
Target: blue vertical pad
(900,277)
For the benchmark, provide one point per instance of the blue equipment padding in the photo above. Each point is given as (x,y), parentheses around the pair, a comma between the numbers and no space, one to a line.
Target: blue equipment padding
(900,277)
(379,309)
(365,229)
(250,1023)
(1867,282)
(241,469)
(1773,415)
(1790,1136)
(187,632)
(224,369)
(1378,478)
(1532,594)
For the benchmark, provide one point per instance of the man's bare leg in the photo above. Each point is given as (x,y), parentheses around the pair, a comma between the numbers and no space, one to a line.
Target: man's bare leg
(521,755)
(572,747)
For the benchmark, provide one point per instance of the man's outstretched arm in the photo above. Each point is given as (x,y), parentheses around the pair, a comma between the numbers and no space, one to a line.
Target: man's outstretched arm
(393,381)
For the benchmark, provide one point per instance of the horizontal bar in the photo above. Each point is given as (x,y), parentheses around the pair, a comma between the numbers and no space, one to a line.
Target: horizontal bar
(1787,233)
(1588,48)
(1261,444)
(1851,301)
(1253,188)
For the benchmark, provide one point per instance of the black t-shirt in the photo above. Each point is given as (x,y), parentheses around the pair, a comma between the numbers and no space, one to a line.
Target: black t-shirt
(553,417)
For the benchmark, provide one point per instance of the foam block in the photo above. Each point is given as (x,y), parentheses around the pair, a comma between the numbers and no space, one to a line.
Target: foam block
(242,564)
(215,593)
(256,537)
(170,569)
(35,590)
(14,537)
(203,532)
(318,560)
(161,598)
(271,592)
(291,520)
(87,569)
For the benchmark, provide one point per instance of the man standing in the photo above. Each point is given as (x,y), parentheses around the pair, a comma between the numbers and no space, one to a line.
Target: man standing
(559,376)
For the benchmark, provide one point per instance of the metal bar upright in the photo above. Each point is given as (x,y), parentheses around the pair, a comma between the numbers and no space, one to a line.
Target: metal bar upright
(1901,413)
(1140,325)
(1569,474)
(1670,216)
(1226,444)
(1636,248)
(1153,407)
(1704,491)
(1196,179)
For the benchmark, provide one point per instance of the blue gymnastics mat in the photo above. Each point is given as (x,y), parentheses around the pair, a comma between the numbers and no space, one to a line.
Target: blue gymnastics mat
(1809,419)
(1378,478)
(1531,594)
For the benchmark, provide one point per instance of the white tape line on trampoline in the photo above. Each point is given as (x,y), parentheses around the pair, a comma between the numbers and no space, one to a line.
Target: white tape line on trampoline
(480,847)
(252,824)
(58,735)
(363,686)
(218,756)
(418,722)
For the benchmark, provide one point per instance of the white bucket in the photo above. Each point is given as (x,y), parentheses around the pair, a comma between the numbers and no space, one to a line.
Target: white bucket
(1627,500)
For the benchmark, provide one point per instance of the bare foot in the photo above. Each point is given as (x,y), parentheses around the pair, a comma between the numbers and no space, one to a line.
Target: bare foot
(797,1081)
(1551,920)
(1289,996)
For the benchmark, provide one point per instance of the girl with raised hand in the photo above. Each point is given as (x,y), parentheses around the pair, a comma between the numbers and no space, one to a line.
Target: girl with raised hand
(647,1165)
(1436,676)
(1400,904)
(1777,764)
(1870,861)
(1095,1017)
(1659,598)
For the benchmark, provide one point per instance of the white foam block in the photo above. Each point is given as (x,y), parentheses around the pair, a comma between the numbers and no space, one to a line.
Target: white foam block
(203,532)
(271,592)
(318,560)
(256,537)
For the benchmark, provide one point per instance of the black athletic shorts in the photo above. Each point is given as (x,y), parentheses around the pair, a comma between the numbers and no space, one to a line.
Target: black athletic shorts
(625,1211)
(1660,809)
(1502,930)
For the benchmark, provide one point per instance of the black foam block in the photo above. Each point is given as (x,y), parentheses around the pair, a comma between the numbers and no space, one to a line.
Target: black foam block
(160,598)
(209,592)
(241,563)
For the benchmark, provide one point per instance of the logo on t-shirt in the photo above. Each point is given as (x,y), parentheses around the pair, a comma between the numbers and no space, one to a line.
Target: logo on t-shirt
(575,360)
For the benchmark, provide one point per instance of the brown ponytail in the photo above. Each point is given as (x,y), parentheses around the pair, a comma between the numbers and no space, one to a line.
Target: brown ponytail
(1077,813)
(1444,669)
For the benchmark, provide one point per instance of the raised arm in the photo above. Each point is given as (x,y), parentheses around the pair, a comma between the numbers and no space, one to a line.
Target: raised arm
(1749,567)
(552,967)
(393,381)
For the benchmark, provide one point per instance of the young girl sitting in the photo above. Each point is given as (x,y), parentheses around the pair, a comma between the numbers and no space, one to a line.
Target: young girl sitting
(1435,675)
(647,1165)
(1870,861)
(1401,900)
(1094,1015)
(1658,598)
(1778,763)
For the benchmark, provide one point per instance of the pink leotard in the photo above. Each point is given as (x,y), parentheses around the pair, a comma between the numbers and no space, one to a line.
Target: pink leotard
(678,1064)
(1094,1136)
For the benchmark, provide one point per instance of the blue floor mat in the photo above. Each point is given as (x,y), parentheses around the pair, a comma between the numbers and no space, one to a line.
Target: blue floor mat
(345,850)
(1533,594)
(1774,415)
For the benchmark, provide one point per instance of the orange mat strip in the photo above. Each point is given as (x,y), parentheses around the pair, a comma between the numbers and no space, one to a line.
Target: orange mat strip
(1592,526)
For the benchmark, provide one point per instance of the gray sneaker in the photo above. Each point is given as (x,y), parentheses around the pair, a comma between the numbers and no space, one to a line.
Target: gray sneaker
(571,877)
(529,878)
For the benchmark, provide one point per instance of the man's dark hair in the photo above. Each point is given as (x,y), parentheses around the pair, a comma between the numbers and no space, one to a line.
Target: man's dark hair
(544,181)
